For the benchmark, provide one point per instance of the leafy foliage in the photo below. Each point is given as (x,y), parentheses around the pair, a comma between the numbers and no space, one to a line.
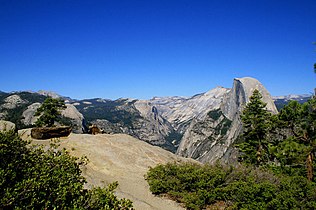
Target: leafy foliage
(298,147)
(256,122)
(49,112)
(187,183)
(279,151)
(285,142)
(34,178)
(201,186)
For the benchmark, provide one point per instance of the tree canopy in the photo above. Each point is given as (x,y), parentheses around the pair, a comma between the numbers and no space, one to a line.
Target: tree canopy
(256,122)
(49,112)
(286,141)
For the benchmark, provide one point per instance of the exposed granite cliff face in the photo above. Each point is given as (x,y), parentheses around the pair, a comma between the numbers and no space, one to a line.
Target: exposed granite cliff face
(28,114)
(152,127)
(203,126)
(76,118)
(180,111)
(137,118)
(210,138)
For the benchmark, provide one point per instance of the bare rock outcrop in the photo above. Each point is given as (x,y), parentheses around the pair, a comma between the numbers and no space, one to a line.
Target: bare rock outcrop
(180,111)
(152,126)
(28,114)
(6,126)
(124,159)
(209,139)
(13,101)
(76,118)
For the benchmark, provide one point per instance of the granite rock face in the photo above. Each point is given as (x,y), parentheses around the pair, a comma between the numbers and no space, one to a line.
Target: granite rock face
(209,139)
(13,101)
(28,114)
(76,118)
(180,111)
(137,118)
(203,126)
(152,127)
(6,126)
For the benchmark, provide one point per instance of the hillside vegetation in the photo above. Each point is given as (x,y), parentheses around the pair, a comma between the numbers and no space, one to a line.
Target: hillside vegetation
(34,178)
(276,169)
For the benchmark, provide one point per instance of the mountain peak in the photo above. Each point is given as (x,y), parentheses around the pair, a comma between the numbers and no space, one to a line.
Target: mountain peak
(49,93)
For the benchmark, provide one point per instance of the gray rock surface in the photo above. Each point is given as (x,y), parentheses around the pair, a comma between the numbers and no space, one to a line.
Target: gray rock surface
(152,127)
(28,114)
(208,140)
(12,102)
(6,126)
(179,111)
(76,117)
(49,93)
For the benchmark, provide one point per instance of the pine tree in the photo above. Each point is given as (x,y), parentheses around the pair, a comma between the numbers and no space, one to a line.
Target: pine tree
(49,112)
(256,120)
(298,150)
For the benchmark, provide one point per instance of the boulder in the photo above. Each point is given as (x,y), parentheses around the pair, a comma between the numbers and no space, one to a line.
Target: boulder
(6,126)
(76,118)
(50,132)
(28,114)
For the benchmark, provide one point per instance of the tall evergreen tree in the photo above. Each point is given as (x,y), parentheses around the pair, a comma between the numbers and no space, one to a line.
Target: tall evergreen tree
(49,112)
(256,120)
(299,148)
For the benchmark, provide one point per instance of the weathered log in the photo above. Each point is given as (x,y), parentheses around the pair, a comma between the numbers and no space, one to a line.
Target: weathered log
(50,132)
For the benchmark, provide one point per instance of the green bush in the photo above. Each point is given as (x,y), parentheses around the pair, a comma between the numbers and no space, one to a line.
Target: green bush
(34,178)
(201,186)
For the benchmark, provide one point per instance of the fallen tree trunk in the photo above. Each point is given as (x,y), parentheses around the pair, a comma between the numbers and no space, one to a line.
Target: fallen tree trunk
(50,132)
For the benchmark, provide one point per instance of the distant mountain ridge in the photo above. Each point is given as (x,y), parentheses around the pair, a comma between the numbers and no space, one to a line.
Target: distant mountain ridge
(203,126)
(280,101)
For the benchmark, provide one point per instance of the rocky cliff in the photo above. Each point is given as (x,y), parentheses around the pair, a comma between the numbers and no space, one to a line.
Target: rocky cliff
(137,118)
(210,138)
(203,126)
(180,111)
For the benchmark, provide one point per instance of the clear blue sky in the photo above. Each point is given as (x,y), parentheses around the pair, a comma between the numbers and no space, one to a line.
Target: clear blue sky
(141,49)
